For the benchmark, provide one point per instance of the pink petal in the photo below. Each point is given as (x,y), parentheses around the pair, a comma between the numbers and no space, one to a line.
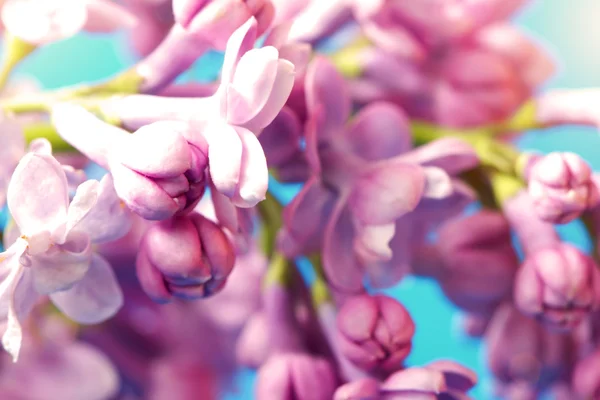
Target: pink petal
(385,272)
(225,211)
(96,141)
(252,84)
(254,175)
(305,218)
(395,39)
(158,150)
(326,90)
(358,317)
(62,265)
(85,199)
(224,156)
(415,379)
(109,219)
(438,184)
(282,87)
(341,266)
(452,155)
(141,194)
(95,298)
(387,191)
(534,64)
(44,21)
(280,140)
(457,377)
(240,42)
(379,131)
(106,16)
(38,194)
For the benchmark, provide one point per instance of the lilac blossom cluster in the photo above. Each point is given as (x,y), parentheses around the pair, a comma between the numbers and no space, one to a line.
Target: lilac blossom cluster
(180,264)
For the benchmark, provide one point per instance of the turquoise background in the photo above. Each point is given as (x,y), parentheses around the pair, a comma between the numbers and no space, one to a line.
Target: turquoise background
(571,32)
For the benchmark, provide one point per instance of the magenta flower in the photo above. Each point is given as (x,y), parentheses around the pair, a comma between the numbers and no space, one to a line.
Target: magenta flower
(364,179)
(464,245)
(523,356)
(44,21)
(157,172)
(561,187)
(437,380)
(412,29)
(559,285)
(375,332)
(296,376)
(363,389)
(216,20)
(53,255)
(254,86)
(53,363)
(447,86)
(187,257)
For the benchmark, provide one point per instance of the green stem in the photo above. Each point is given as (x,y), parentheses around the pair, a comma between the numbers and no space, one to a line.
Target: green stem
(505,186)
(279,272)
(15,51)
(270,211)
(46,130)
(319,289)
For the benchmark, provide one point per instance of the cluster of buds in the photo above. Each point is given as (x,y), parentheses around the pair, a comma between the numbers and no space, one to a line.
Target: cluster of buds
(253,221)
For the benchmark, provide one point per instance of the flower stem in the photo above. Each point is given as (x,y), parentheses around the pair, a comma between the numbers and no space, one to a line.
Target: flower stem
(46,130)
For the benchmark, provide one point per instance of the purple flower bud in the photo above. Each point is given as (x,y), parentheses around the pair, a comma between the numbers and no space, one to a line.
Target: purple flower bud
(189,257)
(561,187)
(465,244)
(375,332)
(216,20)
(296,376)
(438,380)
(559,285)
(363,389)
(157,172)
(521,350)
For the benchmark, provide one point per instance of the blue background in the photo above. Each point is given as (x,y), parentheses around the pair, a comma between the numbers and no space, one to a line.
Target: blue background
(571,32)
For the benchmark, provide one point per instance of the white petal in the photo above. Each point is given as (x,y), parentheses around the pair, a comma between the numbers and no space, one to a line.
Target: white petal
(95,298)
(109,219)
(438,183)
(38,194)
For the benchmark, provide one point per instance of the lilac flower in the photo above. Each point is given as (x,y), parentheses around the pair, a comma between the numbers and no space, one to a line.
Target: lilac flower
(464,245)
(364,389)
(447,87)
(520,351)
(154,21)
(218,18)
(44,21)
(437,380)
(364,179)
(55,364)
(196,32)
(188,257)
(254,87)
(52,256)
(561,187)
(296,376)
(375,332)
(411,29)
(156,171)
(559,285)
